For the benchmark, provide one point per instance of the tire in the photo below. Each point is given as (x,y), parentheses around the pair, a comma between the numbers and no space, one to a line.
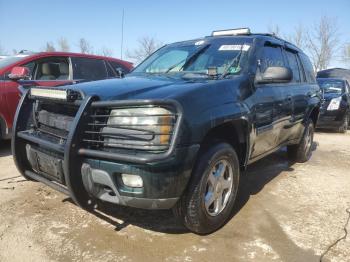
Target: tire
(209,182)
(345,125)
(303,151)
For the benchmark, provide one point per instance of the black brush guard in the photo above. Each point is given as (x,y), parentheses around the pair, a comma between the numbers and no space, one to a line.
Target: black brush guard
(72,150)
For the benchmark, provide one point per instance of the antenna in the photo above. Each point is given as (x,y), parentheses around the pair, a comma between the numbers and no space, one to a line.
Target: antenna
(122,40)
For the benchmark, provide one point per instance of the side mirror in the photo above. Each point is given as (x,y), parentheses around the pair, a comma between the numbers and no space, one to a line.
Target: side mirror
(276,74)
(19,73)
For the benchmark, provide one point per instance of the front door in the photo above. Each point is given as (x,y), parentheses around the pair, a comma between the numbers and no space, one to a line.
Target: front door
(268,104)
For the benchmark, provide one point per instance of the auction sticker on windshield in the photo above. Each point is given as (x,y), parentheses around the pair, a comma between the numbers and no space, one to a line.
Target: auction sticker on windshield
(234,47)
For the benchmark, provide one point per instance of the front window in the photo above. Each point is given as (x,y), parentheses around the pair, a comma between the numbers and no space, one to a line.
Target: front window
(226,57)
(331,86)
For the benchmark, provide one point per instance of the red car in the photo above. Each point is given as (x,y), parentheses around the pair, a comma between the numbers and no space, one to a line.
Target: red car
(49,69)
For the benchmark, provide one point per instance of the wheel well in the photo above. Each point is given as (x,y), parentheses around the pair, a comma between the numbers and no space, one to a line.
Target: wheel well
(234,133)
(314,115)
(2,130)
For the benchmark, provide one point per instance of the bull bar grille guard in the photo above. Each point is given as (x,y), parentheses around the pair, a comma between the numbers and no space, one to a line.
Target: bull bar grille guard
(72,152)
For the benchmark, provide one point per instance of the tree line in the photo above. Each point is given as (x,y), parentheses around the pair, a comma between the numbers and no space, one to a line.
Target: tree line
(319,41)
(83,45)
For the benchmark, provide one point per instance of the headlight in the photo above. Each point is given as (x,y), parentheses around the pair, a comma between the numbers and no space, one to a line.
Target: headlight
(141,128)
(334,104)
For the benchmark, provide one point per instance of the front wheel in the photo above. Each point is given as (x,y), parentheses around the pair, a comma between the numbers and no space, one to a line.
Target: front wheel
(208,201)
(302,151)
(345,125)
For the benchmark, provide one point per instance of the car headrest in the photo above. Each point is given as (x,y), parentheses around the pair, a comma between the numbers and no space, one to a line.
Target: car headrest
(64,69)
(46,69)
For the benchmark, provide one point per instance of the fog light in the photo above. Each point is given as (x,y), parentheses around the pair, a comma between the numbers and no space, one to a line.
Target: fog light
(132,180)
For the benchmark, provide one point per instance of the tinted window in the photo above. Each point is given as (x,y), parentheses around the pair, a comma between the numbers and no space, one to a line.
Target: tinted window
(88,69)
(308,69)
(272,56)
(293,64)
(116,66)
(110,72)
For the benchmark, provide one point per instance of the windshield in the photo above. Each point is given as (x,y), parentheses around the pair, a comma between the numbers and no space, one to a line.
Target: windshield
(331,86)
(227,57)
(11,60)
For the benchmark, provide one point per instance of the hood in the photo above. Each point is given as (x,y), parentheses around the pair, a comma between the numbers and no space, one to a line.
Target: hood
(138,87)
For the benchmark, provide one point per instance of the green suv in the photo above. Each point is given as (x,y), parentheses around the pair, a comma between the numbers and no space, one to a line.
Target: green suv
(176,132)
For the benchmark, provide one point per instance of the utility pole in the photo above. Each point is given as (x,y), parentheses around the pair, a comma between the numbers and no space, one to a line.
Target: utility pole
(122,40)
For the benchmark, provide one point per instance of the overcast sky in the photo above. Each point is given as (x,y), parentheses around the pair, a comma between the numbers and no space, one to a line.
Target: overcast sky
(27,24)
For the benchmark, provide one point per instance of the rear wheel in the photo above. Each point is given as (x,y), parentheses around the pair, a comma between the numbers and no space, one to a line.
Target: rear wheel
(208,201)
(302,151)
(345,125)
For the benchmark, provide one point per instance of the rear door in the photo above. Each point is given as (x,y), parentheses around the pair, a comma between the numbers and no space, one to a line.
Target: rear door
(294,96)
(302,94)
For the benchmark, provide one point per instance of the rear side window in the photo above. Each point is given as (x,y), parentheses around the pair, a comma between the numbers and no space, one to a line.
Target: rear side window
(308,69)
(272,56)
(88,69)
(293,64)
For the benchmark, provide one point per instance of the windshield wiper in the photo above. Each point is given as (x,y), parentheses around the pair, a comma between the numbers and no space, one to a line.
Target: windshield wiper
(175,65)
(194,56)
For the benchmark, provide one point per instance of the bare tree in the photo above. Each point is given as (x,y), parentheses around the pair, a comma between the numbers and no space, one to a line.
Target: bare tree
(106,52)
(85,46)
(146,46)
(274,29)
(322,42)
(298,37)
(346,54)
(63,44)
(49,47)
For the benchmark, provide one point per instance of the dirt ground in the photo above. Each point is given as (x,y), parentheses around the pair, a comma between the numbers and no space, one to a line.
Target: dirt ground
(285,212)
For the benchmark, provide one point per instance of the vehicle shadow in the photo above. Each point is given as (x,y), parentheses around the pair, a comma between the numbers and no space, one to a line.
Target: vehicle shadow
(252,182)
(5,148)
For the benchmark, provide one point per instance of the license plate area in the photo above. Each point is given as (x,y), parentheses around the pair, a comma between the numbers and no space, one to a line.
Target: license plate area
(46,164)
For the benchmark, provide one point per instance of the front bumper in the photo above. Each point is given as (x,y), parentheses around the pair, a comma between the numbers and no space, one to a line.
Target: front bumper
(88,174)
(331,119)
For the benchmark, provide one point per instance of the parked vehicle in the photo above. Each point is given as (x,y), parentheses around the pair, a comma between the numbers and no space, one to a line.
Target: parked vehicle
(335,108)
(335,73)
(49,69)
(177,131)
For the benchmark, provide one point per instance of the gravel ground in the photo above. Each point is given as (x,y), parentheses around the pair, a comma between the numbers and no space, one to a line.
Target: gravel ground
(285,212)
